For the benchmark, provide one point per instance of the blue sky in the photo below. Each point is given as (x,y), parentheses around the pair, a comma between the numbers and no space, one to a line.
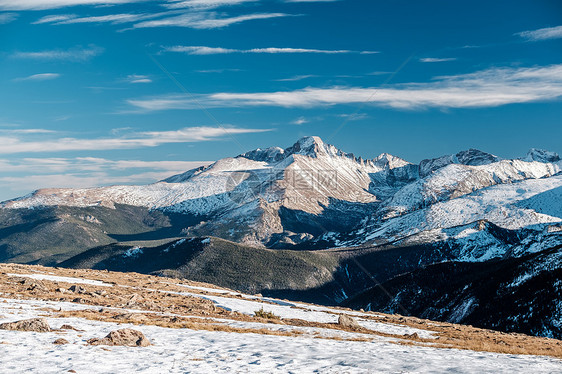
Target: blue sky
(98,92)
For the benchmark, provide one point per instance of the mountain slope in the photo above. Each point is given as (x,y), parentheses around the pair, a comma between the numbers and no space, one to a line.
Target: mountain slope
(312,193)
(517,294)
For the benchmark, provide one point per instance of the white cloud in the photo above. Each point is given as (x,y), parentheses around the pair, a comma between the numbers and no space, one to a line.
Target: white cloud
(136,78)
(434,59)
(116,19)
(7,18)
(171,4)
(25,131)
(40,77)
(54,4)
(296,78)
(217,71)
(21,176)
(354,116)
(300,121)
(204,4)
(542,34)
(486,88)
(55,18)
(110,18)
(11,143)
(92,164)
(75,54)
(203,50)
(205,20)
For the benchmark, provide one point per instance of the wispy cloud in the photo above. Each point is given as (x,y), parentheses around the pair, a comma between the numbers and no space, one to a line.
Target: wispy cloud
(195,19)
(54,4)
(91,164)
(39,77)
(170,4)
(12,143)
(485,88)
(296,78)
(542,34)
(7,18)
(204,4)
(136,78)
(354,116)
(203,50)
(205,20)
(115,19)
(74,54)
(3,132)
(300,121)
(35,173)
(55,18)
(109,18)
(435,59)
(311,1)
(217,71)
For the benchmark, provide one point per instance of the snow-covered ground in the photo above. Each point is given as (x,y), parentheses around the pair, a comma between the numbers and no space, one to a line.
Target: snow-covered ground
(57,278)
(248,304)
(190,351)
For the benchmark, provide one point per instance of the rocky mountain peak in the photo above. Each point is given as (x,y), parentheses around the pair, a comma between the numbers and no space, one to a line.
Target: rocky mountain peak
(471,157)
(475,157)
(309,146)
(541,155)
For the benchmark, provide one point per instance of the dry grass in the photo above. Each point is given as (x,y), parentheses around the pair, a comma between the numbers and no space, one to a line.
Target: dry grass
(156,296)
(261,313)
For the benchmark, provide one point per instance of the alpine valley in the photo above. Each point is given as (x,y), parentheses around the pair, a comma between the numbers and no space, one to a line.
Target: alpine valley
(466,238)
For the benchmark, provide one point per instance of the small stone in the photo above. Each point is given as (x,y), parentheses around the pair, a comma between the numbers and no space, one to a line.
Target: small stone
(69,327)
(60,341)
(77,289)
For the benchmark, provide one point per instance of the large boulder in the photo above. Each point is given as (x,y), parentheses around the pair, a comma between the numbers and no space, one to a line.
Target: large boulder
(126,337)
(34,324)
(348,322)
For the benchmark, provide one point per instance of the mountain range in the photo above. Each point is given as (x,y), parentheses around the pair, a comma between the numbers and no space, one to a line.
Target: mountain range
(314,223)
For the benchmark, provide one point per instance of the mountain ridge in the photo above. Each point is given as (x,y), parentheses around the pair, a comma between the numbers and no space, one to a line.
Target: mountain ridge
(309,222)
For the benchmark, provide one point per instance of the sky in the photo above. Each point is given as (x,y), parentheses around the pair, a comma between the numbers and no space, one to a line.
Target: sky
(101,92)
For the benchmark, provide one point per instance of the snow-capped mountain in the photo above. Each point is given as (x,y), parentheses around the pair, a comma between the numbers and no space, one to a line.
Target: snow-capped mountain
(313,192)
(384,217)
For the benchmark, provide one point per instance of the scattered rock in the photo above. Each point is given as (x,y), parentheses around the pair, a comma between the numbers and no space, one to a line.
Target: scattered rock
(76,288)
(133,300)
(61,290)
(60,341)
(126,337)
(348,322)
(412,336)
(69,327)
(34,324)
(132,317)
(79,300)
(32,285)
